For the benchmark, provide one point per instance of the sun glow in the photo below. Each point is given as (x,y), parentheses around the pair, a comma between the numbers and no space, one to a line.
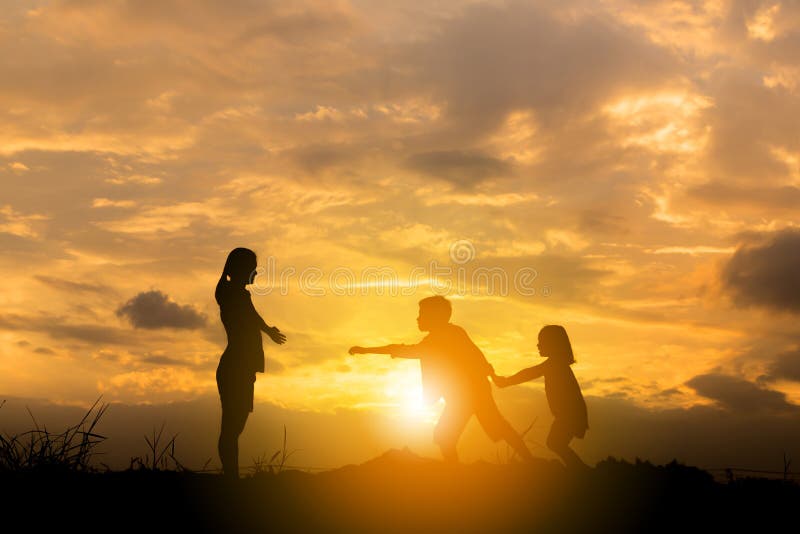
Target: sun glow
(405,394)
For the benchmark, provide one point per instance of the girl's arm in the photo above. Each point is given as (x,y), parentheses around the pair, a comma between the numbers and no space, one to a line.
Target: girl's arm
(531,373)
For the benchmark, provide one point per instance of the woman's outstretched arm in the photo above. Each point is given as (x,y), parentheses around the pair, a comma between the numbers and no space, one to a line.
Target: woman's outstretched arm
(272,331)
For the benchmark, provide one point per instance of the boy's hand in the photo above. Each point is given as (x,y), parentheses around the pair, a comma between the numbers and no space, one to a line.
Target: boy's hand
(276,335)
(500,381)
(357,350)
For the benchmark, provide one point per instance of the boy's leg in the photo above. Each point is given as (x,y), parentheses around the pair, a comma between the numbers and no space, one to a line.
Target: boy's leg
(515,440)
(558,441)
(496,426)
(449,428)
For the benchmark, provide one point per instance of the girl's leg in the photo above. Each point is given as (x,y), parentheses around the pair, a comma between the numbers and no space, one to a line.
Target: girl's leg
(233,422)
(558,441)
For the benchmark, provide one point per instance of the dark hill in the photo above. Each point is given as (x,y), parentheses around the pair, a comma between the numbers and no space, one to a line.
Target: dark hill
(400,492)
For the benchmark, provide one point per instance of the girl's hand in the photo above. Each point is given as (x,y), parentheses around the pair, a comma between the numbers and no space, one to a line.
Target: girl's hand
(276,335)
(357,350)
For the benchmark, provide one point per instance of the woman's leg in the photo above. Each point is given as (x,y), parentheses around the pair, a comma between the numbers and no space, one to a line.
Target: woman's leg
(233,421)
(558,441)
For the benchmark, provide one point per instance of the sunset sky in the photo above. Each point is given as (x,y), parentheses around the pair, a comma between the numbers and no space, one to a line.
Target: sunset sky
(639,160)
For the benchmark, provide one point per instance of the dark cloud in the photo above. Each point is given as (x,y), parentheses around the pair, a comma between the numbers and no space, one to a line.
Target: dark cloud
(153,309)
(459,167)
(786,366)
(43,350)
(737,394)
(767,274)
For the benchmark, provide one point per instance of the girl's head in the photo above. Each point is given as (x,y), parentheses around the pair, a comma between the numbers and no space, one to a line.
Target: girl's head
(554,343)
(240,265)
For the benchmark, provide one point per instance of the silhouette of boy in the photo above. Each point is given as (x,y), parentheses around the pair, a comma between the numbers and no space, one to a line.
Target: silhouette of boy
(454,368)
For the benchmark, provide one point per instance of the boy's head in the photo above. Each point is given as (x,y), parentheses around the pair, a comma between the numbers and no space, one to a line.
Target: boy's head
(433,312)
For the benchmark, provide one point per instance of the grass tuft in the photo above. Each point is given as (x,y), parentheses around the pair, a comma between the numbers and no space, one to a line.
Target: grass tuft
(275,463)
(160,456)
(40,449)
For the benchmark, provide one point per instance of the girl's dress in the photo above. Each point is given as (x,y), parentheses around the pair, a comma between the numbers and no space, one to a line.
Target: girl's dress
(564,397)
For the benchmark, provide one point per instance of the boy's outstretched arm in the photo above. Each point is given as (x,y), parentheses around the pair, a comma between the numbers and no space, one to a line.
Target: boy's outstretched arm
(394,350)
(525,375)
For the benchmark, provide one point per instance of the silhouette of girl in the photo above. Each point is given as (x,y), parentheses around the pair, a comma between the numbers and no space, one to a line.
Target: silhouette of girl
(562,390)
(244,355)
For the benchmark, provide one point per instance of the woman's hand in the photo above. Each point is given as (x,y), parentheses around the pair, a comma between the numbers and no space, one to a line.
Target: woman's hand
(276,335)
(357,350)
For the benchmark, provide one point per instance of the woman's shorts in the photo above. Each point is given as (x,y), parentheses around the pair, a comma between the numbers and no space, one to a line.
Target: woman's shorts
(236,390)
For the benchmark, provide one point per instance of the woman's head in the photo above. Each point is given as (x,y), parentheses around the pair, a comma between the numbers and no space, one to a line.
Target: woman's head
(240,265)
(554,343)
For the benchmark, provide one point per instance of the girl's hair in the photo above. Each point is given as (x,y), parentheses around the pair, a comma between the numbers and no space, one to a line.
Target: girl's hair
(239,263)
(559,341)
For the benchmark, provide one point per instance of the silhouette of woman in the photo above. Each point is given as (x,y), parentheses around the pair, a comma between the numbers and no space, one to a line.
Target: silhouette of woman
(562,391)
(244,355)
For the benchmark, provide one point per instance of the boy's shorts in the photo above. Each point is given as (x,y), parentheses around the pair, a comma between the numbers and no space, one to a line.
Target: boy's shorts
(458,410)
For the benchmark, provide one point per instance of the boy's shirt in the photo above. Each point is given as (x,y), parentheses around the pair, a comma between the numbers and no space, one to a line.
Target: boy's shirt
(451,364)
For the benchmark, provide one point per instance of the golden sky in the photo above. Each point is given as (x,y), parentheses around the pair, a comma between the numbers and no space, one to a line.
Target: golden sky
(641,158)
